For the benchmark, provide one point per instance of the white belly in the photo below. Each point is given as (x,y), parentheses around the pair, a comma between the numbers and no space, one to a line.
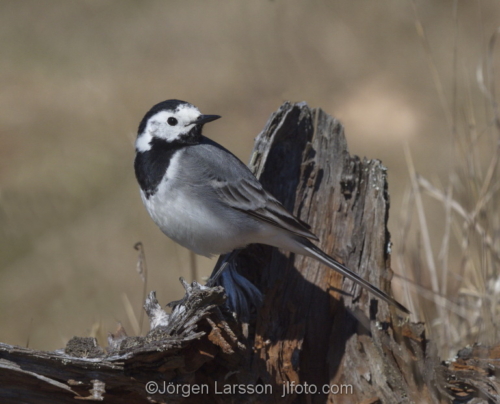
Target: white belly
(193,224)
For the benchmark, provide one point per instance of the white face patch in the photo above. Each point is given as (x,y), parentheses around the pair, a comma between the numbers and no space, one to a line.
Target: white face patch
(158,126)
(142,143)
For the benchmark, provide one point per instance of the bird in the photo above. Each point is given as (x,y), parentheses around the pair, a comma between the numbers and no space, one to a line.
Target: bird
(204,198)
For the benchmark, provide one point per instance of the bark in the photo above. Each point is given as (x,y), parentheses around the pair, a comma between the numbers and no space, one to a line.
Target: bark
(314,328)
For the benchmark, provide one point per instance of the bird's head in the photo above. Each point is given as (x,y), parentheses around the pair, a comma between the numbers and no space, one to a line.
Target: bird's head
(173,121)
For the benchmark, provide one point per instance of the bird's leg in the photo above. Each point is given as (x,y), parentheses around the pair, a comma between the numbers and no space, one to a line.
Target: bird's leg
(221,265)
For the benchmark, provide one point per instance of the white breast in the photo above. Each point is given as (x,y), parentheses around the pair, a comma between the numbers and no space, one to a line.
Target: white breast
(185,215)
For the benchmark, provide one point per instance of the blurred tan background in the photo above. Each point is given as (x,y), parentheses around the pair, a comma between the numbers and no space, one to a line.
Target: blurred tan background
(77,77)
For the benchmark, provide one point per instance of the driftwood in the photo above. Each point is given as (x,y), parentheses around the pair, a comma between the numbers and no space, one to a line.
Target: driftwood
(315,339)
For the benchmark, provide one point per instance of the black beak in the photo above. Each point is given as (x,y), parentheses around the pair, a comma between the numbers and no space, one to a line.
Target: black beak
(202,119)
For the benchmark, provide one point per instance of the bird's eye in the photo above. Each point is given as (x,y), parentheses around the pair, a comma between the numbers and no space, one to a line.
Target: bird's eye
(172,121)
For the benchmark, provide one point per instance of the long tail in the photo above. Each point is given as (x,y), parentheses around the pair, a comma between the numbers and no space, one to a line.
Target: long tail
(324,258)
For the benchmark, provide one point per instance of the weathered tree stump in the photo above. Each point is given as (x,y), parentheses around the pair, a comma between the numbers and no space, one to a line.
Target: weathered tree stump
(304,334)
(316,338)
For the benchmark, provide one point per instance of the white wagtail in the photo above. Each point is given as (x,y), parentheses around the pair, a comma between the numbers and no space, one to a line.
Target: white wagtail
(204,198)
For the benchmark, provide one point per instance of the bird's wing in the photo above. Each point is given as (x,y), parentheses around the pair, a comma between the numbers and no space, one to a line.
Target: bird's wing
(248,196)
(234,185)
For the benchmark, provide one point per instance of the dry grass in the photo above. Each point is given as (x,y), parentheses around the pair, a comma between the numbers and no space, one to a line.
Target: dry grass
(461,303)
